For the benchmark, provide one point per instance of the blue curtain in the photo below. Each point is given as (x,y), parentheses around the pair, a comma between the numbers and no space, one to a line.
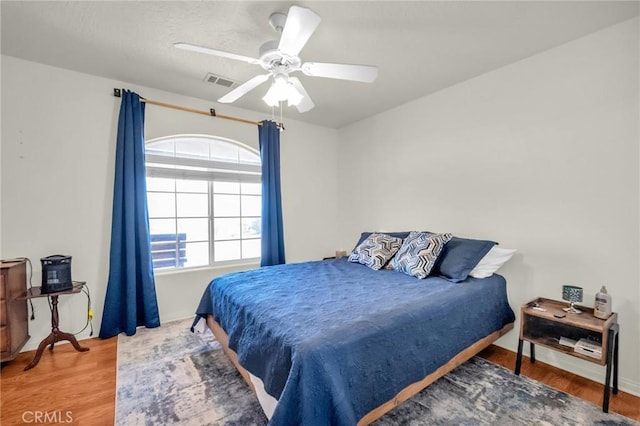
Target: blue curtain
(131,294)
(272,229)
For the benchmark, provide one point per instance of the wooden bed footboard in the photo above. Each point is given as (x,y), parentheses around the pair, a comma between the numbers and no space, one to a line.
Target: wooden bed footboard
(416,387)
(223,339)
(404,394)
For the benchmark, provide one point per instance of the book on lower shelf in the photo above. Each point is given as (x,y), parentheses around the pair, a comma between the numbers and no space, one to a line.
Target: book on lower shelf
(565,341)
(589,348)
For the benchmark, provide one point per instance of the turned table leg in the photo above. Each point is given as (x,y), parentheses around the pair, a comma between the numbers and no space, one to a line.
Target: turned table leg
(55,336)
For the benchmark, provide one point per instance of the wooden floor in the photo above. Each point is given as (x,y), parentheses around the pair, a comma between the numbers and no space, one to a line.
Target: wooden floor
(81,386)
(65,385)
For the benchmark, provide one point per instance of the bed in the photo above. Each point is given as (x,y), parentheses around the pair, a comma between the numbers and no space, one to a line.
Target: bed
(335,342)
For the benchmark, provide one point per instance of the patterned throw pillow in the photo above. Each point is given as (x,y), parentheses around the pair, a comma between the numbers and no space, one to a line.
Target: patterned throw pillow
(376,250)
(419,253)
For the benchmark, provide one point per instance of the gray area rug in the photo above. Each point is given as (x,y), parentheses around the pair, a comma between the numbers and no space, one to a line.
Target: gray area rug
(169,375)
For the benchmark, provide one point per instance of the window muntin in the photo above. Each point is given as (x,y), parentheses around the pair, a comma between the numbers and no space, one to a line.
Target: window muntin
(204,200)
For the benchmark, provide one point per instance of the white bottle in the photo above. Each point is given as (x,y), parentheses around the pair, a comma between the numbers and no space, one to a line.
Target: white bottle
(602,307)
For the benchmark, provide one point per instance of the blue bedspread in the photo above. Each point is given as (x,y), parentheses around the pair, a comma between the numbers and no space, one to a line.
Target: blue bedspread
(333,340)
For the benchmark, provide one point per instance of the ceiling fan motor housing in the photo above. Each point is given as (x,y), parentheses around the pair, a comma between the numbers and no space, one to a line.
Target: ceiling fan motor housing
(271,57)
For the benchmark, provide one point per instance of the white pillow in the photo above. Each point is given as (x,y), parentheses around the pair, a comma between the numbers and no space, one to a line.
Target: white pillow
(492,261)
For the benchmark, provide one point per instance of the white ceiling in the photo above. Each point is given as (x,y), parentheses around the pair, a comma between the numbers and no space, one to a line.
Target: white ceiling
(420,47)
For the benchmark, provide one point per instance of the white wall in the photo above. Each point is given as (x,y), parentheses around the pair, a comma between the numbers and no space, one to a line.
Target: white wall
(1,256)
(542,156)
(58,154)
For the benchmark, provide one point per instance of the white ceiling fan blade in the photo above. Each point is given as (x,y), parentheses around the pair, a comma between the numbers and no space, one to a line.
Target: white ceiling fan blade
(306,103)
(362,73)
(244,88)
(301,23)
(215,52)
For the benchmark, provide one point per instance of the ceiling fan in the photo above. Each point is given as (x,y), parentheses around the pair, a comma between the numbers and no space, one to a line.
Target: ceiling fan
(280,58)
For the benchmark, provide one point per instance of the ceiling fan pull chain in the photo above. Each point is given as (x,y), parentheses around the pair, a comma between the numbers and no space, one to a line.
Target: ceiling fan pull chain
(282,126)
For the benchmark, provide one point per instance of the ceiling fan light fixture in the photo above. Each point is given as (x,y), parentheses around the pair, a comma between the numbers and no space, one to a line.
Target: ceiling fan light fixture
(282,90)
(294,97)
(270,98)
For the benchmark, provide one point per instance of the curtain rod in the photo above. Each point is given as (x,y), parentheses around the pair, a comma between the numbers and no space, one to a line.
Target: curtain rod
(212,112)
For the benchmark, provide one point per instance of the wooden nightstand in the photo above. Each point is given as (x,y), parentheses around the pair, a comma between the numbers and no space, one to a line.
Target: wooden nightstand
(539,326)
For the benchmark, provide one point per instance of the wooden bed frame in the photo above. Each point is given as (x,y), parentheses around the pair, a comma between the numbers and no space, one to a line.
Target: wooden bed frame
(404,394)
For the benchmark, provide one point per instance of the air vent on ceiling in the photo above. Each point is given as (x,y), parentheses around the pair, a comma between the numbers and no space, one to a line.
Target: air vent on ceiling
(221,81)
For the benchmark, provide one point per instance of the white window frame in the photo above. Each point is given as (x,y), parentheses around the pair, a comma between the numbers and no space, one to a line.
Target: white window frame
(205,170)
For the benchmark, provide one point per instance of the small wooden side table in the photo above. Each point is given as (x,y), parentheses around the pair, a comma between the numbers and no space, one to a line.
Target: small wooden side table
(56,335)
(539,326)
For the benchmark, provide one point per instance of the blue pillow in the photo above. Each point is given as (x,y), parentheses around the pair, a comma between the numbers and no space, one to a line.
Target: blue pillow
(459,256)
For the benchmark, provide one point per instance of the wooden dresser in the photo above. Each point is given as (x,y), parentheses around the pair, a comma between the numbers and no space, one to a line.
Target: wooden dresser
(14,316)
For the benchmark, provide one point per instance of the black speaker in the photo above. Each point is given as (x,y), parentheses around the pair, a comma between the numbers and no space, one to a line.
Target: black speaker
(56,273)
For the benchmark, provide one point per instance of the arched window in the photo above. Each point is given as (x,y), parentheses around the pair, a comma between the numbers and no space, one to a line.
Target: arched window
(204,198)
